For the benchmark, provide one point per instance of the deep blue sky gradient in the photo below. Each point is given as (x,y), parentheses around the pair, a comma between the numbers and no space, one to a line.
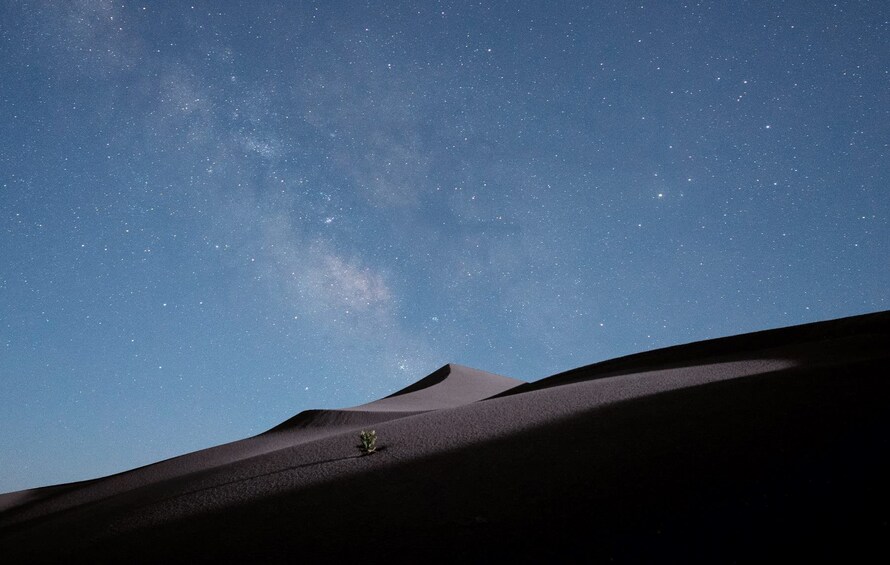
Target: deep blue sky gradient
(215,216)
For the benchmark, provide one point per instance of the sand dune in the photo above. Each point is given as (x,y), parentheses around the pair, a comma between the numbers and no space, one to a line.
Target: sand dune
(759,446)
(451,385)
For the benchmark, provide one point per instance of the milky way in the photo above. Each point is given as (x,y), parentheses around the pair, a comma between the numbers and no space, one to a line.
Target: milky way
(215,216)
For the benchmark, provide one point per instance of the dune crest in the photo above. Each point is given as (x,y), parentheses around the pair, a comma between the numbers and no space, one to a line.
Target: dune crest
(449,386)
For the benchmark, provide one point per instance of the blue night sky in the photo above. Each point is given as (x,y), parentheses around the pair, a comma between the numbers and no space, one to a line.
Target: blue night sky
(215,216)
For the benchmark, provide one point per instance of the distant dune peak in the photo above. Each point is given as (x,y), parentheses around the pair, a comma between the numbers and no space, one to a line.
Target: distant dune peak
(455,371)
(449,386)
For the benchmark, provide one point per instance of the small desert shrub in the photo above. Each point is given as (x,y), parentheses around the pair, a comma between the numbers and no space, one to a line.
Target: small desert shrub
(369,441)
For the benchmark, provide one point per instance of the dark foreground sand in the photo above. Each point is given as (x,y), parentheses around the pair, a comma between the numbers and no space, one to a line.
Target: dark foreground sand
(760,447)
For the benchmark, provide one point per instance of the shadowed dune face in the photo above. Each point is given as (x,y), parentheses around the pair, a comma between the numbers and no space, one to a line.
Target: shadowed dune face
(777,445)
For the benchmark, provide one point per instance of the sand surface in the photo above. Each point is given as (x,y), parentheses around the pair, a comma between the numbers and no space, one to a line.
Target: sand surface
(716,451)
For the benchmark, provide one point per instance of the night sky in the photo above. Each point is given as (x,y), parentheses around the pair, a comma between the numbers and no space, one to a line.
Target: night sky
(215,216)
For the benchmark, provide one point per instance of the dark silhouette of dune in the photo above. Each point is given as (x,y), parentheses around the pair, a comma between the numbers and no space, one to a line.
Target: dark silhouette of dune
(759,447)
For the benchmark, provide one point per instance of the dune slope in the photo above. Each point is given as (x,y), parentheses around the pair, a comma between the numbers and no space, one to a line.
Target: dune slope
(449,386)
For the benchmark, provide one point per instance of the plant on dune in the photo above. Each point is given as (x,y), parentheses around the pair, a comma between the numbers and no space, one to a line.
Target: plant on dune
(368,441)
